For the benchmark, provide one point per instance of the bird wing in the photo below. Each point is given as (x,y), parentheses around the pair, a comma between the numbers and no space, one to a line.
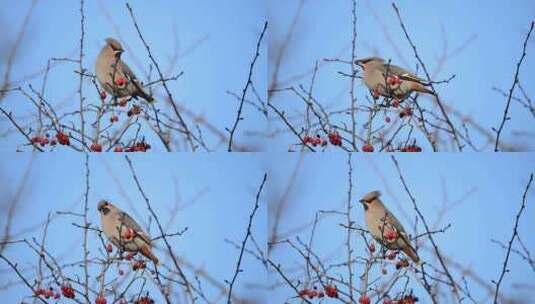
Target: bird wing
(132,78)
(129,222)
(126,70)
(400,72)
(394,222)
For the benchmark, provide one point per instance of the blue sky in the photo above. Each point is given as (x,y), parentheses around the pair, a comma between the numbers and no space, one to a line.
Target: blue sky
(492,32)
(224,33)
(490,188)
(222,188)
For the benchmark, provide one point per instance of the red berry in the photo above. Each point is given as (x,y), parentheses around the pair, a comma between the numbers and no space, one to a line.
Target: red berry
(123,102)
(118,149)
(67,291)
(120,81)
(114,118)
(121,272)
(331,291)
(144,300)
(63,138)
(100,300)
(395,103)
(50,293)
(390,235)
(367,148)
(371,247)
(335,139)
(96,147)
(393,80)
(364,300)
(57,296)
(109,248)
(387,119)
(103,95)
(128,233)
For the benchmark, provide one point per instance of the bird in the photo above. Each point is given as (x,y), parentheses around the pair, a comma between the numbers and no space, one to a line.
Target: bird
(115,76)
(385,227)
(123,231)
(385,79)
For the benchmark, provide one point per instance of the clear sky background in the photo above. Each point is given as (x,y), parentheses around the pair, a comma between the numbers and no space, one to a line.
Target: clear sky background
(484,193)
(214,193)
(215,41)
(489,34)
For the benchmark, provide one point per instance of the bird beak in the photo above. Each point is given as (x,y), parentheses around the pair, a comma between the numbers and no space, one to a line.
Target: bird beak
(359,63)
(362,202)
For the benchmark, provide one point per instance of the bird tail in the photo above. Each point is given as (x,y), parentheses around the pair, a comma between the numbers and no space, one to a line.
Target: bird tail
(146,96)
(418,87)
(141,93)
(145,250)
(408,250)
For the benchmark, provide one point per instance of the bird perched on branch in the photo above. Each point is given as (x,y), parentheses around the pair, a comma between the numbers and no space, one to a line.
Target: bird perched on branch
(387,80)
(123,231)
(385,227)
(115,76)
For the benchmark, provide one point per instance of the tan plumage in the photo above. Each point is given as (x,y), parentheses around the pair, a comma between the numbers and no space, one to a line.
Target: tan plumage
(385,227)
(114,75)
(123,231)
(377,74)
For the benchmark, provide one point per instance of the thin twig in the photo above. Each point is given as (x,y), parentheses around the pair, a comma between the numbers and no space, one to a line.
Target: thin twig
(247,85)
(244,242)
(515,82)
(164,83)
(515,233)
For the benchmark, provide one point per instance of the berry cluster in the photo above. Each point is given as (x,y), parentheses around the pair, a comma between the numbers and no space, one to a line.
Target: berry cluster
(314,141)
(67,291)
(47,293)
(41,140)
(335,139)
(95,147)
(367,148)
(329,290)
(411,148)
